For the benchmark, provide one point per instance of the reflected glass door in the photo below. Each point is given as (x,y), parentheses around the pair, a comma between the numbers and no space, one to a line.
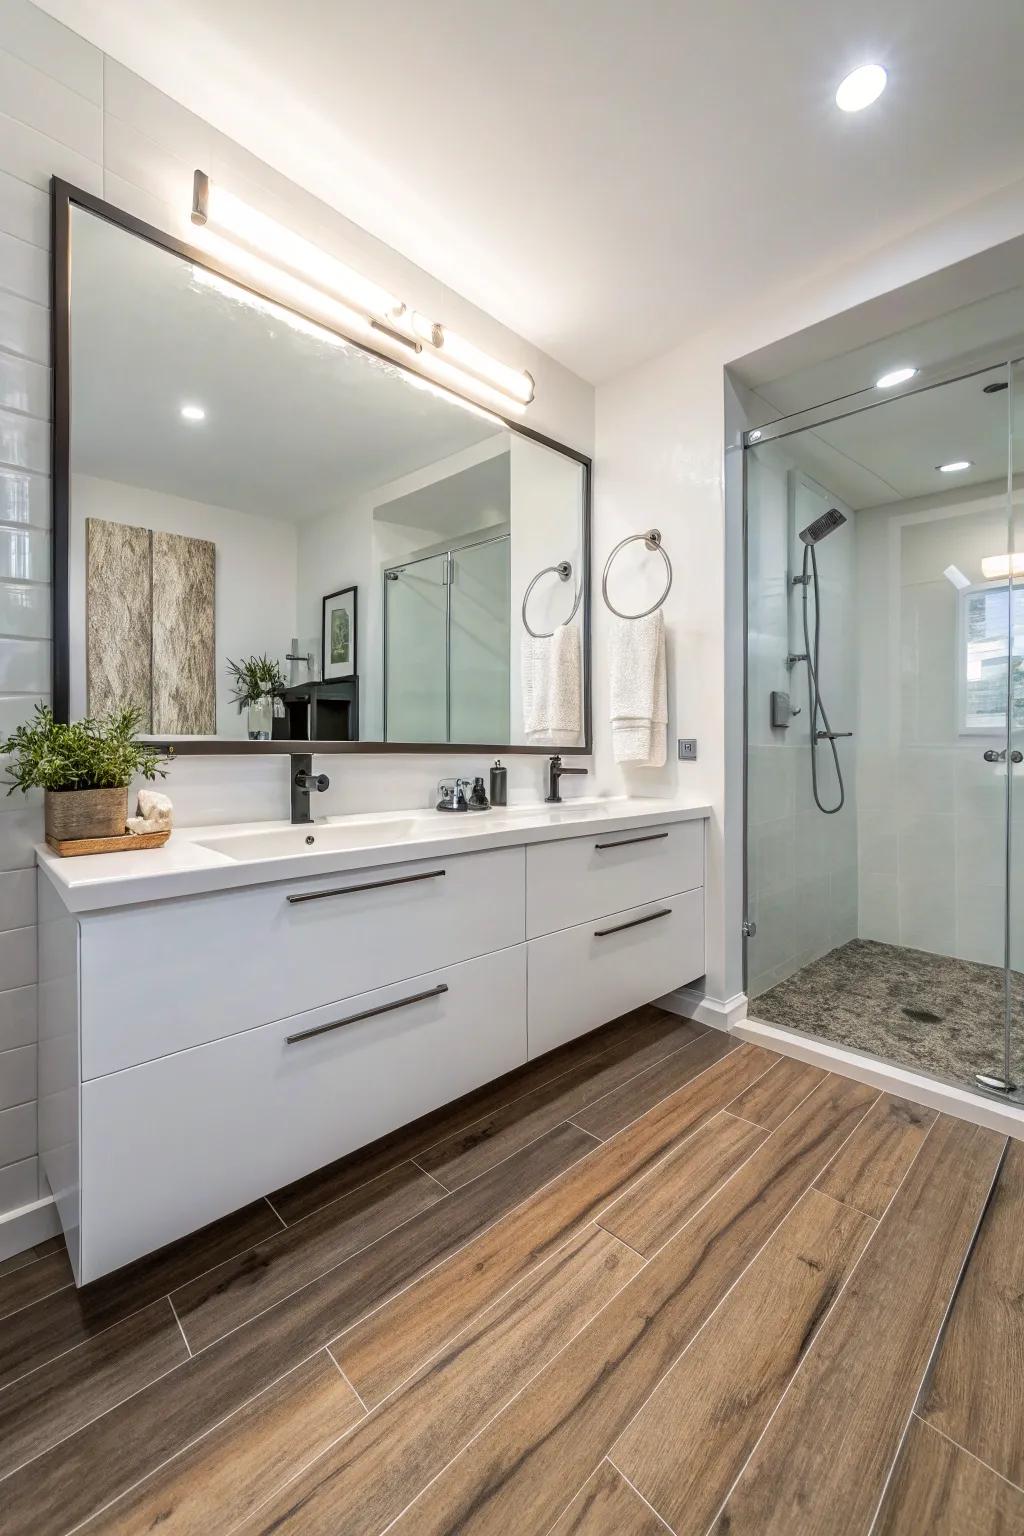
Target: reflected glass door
(479,657)
(416,651)
(1014,1065)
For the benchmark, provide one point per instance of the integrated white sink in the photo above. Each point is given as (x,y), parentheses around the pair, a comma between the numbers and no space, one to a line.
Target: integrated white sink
(327,837)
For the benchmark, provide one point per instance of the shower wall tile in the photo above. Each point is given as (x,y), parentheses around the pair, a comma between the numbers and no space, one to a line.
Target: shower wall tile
(879,908)
(878,833)
(927,847)
(927,915)
(979,924)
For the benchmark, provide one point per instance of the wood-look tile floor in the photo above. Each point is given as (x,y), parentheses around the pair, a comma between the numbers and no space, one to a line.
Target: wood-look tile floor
(656,1281)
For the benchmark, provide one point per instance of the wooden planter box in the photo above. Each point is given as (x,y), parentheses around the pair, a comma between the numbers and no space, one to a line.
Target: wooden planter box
(75,813)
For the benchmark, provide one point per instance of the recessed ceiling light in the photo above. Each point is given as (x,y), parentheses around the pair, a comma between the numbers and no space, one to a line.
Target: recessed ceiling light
(954,466)
(754,437)
(897,376)
(193,413)
(861,88)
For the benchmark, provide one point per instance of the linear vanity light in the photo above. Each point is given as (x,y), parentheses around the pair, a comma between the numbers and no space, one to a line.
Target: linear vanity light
(257,246)
(296,322)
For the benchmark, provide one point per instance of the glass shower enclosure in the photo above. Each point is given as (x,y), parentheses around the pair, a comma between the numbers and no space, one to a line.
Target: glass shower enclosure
(885,727)
(446,645)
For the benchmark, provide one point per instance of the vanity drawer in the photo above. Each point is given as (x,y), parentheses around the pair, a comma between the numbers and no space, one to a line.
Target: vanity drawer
(173,1144)
(158,980)
(581,878)
(583,976)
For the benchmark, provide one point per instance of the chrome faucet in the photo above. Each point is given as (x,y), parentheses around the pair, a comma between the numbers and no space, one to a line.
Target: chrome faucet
(555,772)
(303,782)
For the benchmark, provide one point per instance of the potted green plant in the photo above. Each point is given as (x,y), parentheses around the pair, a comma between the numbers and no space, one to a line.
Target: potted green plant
(255,682)
(84,770)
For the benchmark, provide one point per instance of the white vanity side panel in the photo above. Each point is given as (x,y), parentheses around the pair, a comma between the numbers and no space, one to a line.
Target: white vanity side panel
(163,978)
(59,1062)
(173,1144)
(573,881)
(578,980)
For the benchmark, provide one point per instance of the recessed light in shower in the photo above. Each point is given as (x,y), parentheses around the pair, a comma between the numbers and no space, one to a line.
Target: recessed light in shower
(861,87)
(954,466)
(755,436)
(193,413)
(897,376)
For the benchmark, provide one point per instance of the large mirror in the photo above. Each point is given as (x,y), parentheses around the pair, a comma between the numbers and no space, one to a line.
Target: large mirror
(272,535)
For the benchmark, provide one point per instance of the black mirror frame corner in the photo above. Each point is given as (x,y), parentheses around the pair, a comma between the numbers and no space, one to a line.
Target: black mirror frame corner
(63,197)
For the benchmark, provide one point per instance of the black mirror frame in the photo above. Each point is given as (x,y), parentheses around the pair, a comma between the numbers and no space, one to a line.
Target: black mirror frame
(64,196)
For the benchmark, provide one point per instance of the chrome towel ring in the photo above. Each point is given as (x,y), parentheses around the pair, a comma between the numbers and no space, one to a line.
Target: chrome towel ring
(652,538)
(563,570)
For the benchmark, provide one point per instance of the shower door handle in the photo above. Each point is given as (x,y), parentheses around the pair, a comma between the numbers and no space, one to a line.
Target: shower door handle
(992,756)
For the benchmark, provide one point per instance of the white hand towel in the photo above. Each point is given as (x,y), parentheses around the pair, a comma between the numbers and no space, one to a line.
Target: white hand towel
(638,690)
(550,687)
(154,812)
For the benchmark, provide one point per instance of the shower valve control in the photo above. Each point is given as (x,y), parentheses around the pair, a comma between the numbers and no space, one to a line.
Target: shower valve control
(783,709)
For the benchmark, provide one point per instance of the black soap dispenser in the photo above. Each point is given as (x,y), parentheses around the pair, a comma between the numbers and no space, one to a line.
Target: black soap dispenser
(499,784)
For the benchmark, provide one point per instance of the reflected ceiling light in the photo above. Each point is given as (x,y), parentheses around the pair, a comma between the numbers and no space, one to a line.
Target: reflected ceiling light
(994,566)
(861,87)
(755,436)
(954,574)
(897,376)
(193,413)
(954,466)
(256,246)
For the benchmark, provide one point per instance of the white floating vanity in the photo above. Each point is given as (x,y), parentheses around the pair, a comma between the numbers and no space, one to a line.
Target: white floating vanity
(225,1014)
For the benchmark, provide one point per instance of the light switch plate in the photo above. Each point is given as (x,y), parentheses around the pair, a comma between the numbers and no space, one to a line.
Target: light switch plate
(687,748)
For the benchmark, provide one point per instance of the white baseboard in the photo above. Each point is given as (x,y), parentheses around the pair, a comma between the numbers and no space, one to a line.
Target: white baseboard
(1007,1119)
(692,1003)
(26,1226)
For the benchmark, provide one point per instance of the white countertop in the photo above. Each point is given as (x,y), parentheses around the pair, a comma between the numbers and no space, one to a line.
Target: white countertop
(188,865)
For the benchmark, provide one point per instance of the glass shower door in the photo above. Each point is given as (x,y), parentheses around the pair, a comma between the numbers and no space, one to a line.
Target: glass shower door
(479,656)
(416,650)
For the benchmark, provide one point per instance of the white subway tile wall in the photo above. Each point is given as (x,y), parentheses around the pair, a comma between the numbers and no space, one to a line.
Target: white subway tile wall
(68,110)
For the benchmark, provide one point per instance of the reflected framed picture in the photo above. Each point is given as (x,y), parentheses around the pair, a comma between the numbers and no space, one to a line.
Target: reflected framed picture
(339,634)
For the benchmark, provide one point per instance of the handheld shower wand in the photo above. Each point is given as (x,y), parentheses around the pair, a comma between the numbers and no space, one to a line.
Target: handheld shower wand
(820,529)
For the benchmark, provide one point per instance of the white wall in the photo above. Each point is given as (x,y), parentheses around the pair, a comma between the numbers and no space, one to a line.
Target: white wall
(932,847)
(255,577)
(69,110)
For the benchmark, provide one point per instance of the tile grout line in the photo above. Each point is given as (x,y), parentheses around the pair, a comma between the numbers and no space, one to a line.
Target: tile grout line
(280,1218)
(821,1324)
(434,1179)
(341,1373)
(177,1319)
(548,1364)
(925,1424)
(639,1495)
(403,1289)
(196,1440)
(940,1332)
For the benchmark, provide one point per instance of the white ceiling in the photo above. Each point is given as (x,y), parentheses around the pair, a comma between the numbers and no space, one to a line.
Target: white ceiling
(603,177)
(295,426)
(890,453)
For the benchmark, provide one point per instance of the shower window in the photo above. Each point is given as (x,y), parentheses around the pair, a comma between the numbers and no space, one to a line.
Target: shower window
(984,657)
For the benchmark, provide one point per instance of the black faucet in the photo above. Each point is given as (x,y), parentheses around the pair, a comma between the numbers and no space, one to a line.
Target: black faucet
(303,782)
(555,771)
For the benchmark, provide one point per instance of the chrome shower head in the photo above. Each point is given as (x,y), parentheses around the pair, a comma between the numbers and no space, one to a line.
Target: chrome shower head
(822,526)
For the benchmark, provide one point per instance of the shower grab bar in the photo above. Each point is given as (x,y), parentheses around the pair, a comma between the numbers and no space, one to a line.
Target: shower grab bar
(652,539)
(563,570)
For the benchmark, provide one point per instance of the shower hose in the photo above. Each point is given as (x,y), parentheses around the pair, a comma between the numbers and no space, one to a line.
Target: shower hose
(817,708)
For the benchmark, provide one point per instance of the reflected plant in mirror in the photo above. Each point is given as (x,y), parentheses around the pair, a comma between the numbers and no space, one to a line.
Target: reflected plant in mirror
(390,543)
(257,683)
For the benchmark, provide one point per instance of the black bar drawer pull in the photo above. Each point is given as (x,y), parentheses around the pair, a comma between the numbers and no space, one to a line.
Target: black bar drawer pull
(602,933)
(371,885)
(651,837)
(368,1013)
